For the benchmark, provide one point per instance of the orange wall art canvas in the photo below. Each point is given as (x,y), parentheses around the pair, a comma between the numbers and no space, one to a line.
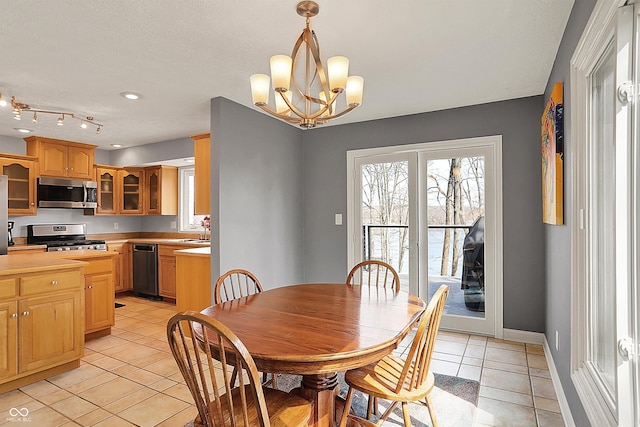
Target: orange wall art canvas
(552,158)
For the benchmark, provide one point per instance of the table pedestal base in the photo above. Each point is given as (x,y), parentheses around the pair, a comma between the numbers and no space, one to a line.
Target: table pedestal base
(321,390)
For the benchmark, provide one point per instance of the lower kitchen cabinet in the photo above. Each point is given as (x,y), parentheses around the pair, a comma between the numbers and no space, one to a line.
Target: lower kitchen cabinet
(122,272)
(48,333)
(99,313)
(8,339)
(99,291)
(41,324)
(167,270)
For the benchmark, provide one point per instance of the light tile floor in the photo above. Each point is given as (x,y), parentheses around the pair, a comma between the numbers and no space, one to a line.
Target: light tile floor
(130,379)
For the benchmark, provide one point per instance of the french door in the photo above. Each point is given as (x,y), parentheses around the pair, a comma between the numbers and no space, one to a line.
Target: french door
(432,211)
(606,216)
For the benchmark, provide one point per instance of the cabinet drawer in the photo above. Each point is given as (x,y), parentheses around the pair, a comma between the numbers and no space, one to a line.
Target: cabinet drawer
(50,282)
(97,266)
(8,288)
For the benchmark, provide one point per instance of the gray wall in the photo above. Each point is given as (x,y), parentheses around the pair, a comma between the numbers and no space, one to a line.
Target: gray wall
(518,121)
(558,238)
(256,196)
(152,153)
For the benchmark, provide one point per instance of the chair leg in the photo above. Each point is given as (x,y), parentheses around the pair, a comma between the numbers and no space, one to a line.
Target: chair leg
(274,380)
(405,414)
(347,408)
(432,413)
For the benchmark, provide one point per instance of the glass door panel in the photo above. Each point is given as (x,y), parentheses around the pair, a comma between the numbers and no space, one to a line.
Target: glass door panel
(385,215)
(455,233)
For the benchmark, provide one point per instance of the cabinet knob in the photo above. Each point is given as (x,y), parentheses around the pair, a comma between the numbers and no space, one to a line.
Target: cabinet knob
(14,315)
(25,313)
(32,203)
(54,282)
(90,287)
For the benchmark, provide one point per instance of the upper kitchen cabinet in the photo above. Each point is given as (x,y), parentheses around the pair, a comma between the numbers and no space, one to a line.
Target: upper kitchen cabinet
(109,190)
(132,182)
(21,174)
(161,190)
(202,151)
(62,158)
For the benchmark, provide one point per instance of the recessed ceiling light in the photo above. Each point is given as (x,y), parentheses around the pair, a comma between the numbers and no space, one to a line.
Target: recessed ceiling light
(131,95)
(116,145)
(22,130)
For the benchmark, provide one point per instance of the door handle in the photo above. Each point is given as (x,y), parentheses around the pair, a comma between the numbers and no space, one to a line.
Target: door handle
(625,348)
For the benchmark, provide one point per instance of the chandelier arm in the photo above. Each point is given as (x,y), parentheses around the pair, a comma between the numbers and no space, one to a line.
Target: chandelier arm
(292,107)
(275,113)
(350,108)
(314,47)
(326,106)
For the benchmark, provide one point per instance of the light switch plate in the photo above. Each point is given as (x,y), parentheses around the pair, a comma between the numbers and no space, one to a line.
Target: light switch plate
(338,219)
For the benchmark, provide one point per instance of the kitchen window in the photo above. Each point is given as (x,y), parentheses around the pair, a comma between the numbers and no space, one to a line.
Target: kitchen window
(187,219)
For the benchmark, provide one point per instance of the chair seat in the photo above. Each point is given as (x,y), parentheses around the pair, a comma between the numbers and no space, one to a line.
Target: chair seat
(284,409)
(381,378)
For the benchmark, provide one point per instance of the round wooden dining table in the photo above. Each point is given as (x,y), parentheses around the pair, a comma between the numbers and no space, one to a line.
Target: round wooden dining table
(318,330)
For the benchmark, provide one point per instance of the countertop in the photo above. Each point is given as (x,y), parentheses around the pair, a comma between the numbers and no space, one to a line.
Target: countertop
(197,252)
(27,263)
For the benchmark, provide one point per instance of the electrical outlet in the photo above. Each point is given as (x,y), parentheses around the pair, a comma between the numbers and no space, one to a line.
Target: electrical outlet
(173,225)
(115,225)
(557,340)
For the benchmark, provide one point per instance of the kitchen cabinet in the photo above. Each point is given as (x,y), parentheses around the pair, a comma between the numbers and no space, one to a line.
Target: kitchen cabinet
(21,177)
(193,275)
(99,293)
(60,158)
(109,190)
(41,322)
(122,270)
(131,181)
(202,152)
(161,190)
(167,270)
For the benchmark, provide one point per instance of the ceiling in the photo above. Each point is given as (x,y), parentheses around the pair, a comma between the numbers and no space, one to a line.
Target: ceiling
(416,56)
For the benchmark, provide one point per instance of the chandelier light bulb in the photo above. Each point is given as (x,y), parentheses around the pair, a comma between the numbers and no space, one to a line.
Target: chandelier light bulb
(338,70)
(281,72)
(260,89)
(83,125)
(355,87)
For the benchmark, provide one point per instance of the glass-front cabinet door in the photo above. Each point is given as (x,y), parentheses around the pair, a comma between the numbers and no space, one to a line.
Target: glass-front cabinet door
(152,192)
(21,185)
(132,189)
(108,194)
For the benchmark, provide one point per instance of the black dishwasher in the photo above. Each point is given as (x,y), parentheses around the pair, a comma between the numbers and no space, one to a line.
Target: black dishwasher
(145,269)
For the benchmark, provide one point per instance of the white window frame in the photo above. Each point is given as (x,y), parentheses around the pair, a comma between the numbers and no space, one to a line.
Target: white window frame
(598,34)
(183,202)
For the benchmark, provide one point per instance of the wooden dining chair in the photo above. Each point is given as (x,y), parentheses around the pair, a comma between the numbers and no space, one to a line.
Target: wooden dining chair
(398,380)
(206,371)
(234,284)
(374,273)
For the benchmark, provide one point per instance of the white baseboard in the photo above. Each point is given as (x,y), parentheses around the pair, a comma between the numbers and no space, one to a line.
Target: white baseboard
(557,385)
(523,336)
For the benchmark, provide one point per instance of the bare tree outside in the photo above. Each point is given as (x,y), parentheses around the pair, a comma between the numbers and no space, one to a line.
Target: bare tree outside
(455,198)
(385,201)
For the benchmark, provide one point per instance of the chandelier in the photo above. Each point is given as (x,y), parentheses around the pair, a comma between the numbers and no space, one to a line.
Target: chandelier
(19,108)
(314,102)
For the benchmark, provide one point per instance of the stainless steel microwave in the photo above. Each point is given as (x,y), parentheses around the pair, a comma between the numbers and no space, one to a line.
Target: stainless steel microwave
(67,193)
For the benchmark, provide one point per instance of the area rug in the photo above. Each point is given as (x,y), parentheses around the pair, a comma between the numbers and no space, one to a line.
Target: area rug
(454,399)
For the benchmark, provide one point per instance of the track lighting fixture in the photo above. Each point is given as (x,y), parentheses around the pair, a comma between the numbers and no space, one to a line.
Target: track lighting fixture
(19,107)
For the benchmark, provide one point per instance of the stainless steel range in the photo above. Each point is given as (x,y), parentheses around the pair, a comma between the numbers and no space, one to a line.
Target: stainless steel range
(63,237)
